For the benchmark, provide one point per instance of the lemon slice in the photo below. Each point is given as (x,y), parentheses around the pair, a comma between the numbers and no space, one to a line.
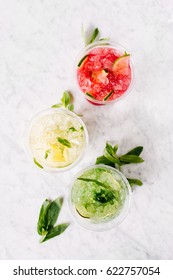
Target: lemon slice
(59,153)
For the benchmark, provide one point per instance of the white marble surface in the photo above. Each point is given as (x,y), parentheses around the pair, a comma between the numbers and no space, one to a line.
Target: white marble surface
(39,41)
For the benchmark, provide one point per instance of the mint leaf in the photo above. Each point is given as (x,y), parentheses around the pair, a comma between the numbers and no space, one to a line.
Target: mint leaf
(57,230)
(104,160)
(93,181)
(70,107)
(110,153)
(37,163)
(73,129)
(65,99)
(126,159)
(41,224)
(47,153)
(64,142)
(133,182)
(94,35)
(53,212)
(136,151)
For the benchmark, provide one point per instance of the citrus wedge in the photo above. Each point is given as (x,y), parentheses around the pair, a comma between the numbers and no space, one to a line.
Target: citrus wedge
(122,65)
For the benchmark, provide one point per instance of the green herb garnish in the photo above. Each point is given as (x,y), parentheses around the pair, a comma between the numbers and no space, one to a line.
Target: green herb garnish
(48,216)
(73,129)
(109,94)
(82,128)
(66,101)
(47,153)
(94,35)
(80,62)
(93,181)
(64,142)
(133,182)
(111,158)
(37,163)
(90,95)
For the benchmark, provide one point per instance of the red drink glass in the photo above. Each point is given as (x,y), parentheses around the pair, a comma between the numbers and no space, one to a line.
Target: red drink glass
(104,72)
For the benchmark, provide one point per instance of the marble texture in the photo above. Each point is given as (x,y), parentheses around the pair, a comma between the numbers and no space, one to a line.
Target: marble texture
(38,44)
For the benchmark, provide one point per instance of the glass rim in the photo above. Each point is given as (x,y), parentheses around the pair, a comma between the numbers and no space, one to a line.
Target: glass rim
(103,226)
(51,111)
(109,44)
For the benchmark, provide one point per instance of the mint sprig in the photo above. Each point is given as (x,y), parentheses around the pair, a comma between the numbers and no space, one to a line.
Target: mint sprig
(48,216)
(66,101)
(111,158)
(64,142)
(95,35)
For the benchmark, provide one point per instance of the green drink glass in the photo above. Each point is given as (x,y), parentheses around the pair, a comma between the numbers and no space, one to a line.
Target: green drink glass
(99,197)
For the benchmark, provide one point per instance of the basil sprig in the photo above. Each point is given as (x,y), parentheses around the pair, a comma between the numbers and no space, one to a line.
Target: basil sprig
(111,158)
(48,216)
(66,102)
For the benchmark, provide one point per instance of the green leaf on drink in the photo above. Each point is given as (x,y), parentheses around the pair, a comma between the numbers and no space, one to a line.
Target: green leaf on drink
(73,129)
(64,142)
(47,153)
(111,158)
(55,231)
(37,163)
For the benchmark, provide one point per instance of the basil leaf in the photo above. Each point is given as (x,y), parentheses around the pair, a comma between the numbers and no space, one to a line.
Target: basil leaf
(37,163)
(65,99)
(80,62)
(133,182)
(104,160)
(94,35)
(57,105)
(53,212)
(55,231)
(136,151)
(126,159)
(41,224)
(64,142)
